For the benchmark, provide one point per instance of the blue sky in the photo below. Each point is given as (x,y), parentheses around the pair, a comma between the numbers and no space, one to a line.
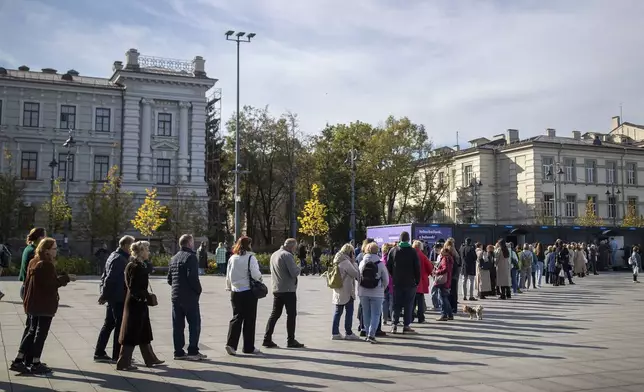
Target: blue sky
(473,66)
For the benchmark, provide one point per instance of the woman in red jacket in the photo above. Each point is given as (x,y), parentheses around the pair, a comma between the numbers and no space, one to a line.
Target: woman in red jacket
(443,281)
(426,268)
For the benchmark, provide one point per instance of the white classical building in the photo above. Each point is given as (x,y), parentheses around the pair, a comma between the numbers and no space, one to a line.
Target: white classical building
(148,118)
(531,181)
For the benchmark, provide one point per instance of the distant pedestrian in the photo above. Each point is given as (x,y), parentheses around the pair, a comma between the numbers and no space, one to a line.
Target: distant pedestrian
(101,256)
(183,276)
(202,255)
(221,257)
(316,255)
(284,273)
(635,261)
(301,255)
(112,295)
(468,255)
(5,260)
(33,239)
(242,266)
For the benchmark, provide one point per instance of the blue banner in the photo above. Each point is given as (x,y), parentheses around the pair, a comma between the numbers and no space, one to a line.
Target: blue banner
(431,235)
(387,234)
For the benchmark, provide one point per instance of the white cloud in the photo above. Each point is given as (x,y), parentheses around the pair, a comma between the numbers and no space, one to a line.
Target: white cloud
(468,66)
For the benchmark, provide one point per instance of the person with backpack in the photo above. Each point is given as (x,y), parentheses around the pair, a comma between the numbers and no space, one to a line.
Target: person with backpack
(5,259)
(635,261)
(374,278)
(525,267)
(468,255)
(342,279)
(403,264)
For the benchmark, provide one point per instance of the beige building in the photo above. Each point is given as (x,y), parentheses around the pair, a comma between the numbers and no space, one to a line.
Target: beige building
(506,180)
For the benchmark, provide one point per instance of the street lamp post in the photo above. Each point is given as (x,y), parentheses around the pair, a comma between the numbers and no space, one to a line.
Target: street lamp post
(69,144)
(555,180)
(476,186)
(351,160)
(238,37)
(52,166)
(611,193)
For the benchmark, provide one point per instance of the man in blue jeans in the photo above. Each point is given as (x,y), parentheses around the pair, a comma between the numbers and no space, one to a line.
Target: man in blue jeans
(183,276)
(404,266)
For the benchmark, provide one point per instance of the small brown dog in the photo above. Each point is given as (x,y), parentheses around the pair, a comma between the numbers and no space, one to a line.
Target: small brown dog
(474,311)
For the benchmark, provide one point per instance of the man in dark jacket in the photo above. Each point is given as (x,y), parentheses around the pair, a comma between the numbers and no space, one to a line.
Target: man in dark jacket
(468,255)
(301,255)
(316,254)
(113,292)
(202,254)
(403,265)
(183,276)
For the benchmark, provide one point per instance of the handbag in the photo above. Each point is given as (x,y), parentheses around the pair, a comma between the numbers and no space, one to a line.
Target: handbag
(152,298)
(258,288)
(440,279)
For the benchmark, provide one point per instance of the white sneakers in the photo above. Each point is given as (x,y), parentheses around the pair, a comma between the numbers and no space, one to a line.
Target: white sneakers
(347,337)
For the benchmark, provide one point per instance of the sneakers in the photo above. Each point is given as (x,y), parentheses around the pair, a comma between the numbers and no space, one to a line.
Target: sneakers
(19,366)
(270,344)
(197,357)
(464,298)
(231,351)
(371,339)
(129,368)
(380,334)
(442,318)
(363,334)
(337,337)
(40,368)
(254,352)
(394,329)
(473,299)
(294,344)
(103,358)
(408,331)
(351,337)
(450,317)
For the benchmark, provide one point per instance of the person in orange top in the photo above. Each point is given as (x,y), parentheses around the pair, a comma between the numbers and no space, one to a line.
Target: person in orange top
(426,269)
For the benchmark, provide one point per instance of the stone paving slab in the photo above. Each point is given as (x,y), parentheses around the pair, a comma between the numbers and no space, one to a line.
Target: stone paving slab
(585,337)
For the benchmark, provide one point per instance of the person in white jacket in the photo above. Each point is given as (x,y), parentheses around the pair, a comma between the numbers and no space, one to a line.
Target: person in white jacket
(344,297)
(374,278)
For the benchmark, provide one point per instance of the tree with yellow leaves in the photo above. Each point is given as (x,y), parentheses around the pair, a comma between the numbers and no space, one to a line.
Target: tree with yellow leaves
(632,219)
(57,208)
(590,218)
(150,215)
(313,219)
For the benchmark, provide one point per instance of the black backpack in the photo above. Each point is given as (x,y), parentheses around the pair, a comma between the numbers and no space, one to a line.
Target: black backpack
(369,278)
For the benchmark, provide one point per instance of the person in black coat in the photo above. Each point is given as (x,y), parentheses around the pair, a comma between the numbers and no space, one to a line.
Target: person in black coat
(183,276)
(404,268)
(113,290)
(468,255)
(136,329)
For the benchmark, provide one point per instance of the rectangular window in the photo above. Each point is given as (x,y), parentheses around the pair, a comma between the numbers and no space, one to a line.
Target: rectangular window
(612,207)
(102,119)
(29,165)
(163,171)
(67,117)
(632,206)
(548,204)
(611,168)
(441,178)
(631,173)
(62,166)
(101,167)
(593,201)
(569,169)
(467,175)
(571,206)
(31,114)
(452,180)
(591,166)
(164,124)
(548,167)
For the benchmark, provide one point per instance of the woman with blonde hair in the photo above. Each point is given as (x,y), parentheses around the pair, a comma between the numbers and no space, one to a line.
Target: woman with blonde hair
(375,278)
(344,296)
(41,304)
(136,329)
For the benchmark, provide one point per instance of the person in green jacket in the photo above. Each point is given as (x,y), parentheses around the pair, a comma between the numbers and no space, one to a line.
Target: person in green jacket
(35,236)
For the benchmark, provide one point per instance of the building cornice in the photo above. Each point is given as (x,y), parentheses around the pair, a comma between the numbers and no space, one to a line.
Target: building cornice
(122,76)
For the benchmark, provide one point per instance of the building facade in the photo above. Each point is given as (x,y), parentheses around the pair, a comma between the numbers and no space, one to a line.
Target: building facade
(148,118)
(506,180)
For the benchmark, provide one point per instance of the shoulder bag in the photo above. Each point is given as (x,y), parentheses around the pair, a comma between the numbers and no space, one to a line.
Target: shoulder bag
(152,298)
(258,288)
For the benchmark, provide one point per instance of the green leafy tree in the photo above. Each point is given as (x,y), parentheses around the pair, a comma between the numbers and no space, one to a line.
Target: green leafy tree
(89,216)
(150,215)
(313,219)
(185,213)
(11,200)
(116,207)
(632,219)
(589,218)
(57,209)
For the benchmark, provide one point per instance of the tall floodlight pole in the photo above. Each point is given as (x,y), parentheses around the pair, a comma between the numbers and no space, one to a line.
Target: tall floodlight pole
(52,166)
(351,160)
(238,38)
(69,144)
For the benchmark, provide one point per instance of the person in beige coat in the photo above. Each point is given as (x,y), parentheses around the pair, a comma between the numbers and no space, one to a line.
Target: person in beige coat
(579,260)
(344,297)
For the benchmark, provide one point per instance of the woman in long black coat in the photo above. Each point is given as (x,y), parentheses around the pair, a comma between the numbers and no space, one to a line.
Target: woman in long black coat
(136,329)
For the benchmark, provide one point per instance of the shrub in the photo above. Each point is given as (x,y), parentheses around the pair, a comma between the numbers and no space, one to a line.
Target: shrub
(160,260)
(75,265)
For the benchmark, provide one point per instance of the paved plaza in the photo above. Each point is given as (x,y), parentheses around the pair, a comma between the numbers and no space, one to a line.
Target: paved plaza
(584,337)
